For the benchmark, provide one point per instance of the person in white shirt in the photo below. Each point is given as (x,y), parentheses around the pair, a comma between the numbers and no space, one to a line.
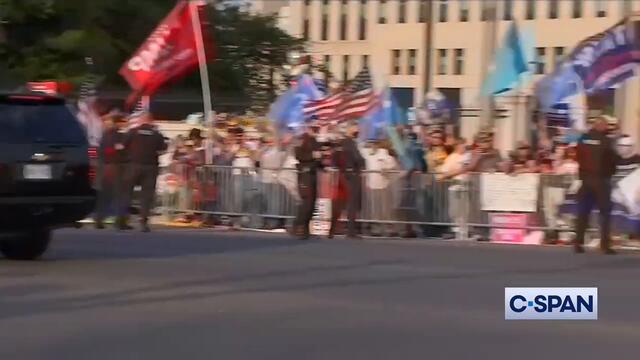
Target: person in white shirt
(454,165)
(271,160)
(453,169)
(243,171)
(379,166)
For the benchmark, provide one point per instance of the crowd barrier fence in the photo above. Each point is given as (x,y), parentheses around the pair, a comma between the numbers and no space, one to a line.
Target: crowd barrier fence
(391,201)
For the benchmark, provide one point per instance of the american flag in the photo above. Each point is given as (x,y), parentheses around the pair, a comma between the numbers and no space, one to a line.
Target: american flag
(87,113)
(325,108)
(354,101)
(359,97)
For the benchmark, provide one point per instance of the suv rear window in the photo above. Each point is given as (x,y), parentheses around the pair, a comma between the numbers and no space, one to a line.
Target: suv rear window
(41,122)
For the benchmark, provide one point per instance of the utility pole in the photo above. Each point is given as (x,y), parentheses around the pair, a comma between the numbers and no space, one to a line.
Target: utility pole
(489,44)
(428,37)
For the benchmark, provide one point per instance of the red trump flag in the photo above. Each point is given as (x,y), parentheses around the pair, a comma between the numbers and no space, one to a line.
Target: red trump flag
(169,52)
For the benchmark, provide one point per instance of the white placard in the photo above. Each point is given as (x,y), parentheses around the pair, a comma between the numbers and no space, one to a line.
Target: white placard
(321,222)
(502,192)
(629,188)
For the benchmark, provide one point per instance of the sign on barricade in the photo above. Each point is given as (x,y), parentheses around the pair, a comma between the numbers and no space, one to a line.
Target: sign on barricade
(321,222)
(501,192)
(504,235)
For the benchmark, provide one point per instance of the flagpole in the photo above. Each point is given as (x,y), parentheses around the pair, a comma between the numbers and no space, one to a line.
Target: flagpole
(202,58)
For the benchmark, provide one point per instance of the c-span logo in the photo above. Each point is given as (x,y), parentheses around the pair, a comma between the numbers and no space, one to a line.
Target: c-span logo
(551,303)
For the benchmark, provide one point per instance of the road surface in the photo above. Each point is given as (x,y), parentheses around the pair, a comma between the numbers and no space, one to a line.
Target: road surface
(198,294)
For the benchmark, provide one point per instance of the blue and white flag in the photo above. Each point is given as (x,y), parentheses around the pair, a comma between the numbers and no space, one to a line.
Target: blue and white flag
(607,58)
(510,61)
(437,105)
(597,63)
(384,112)
(286,111)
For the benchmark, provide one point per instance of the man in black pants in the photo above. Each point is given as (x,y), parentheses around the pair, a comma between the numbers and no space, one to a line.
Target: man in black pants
(113,173)
(597,160)
(308,156)
(144,144)
(350,163)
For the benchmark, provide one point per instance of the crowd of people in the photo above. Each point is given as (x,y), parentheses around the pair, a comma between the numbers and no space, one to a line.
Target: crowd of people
(233,170)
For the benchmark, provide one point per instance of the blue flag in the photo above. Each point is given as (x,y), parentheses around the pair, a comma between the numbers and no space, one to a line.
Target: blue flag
(286,111)
(510,61)
(385,112)
(380,122)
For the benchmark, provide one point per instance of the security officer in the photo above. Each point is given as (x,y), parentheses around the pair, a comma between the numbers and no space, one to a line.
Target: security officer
(144,144)
(308,156)
(113,160)
(350,163)
(597,161)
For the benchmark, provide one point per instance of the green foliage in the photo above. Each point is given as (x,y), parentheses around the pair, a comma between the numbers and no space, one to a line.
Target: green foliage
(49,39)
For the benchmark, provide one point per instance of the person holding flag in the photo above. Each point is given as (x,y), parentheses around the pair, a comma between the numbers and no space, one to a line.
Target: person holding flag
(308,155)
(350,163)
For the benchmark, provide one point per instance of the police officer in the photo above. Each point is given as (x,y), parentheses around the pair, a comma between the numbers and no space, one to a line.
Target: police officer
(597,161)
(308,156)
(144,144)
(350,163)
(113,161)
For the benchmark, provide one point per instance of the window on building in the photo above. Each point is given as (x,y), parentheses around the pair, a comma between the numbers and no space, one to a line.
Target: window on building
(507,10)
(382,11)
(485,10)
(395,62)
(458,67)
(442,61)
(424,11)
(362,28)
(540,60)
(463,6)
(345,67)
(305,29)
(327,62)
(558,54)
(411,62)
(577,9)
(365,61)
(552,9)
(443,11)
(402,11)
(626,7)
(601,8)
(305,22)
(530,9)
(325,20)
(343,20)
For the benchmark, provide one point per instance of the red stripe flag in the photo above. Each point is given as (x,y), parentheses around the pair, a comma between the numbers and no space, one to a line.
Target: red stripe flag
(359,97)
(168,53)
(325,108)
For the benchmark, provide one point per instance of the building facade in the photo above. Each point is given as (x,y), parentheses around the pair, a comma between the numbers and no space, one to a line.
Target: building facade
(390,37)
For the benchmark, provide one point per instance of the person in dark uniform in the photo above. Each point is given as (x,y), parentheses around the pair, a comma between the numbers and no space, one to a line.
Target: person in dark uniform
(144,144)
(308,156)
(597,162)
(113,160)
(350,163)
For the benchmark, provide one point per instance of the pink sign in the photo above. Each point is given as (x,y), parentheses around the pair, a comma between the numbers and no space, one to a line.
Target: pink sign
(505,220)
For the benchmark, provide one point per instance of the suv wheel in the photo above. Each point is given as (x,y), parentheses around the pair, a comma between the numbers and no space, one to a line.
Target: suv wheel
(29,246)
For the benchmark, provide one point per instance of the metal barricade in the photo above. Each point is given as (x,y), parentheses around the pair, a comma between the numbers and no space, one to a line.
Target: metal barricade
(391,201)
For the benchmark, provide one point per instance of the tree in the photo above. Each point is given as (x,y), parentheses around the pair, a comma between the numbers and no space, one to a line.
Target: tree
(251,50)
(49,39)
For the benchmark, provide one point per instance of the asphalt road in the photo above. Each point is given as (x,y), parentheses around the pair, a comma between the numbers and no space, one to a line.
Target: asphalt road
(195,294)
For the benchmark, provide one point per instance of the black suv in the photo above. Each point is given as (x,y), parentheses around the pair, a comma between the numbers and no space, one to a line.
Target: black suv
(44,172)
